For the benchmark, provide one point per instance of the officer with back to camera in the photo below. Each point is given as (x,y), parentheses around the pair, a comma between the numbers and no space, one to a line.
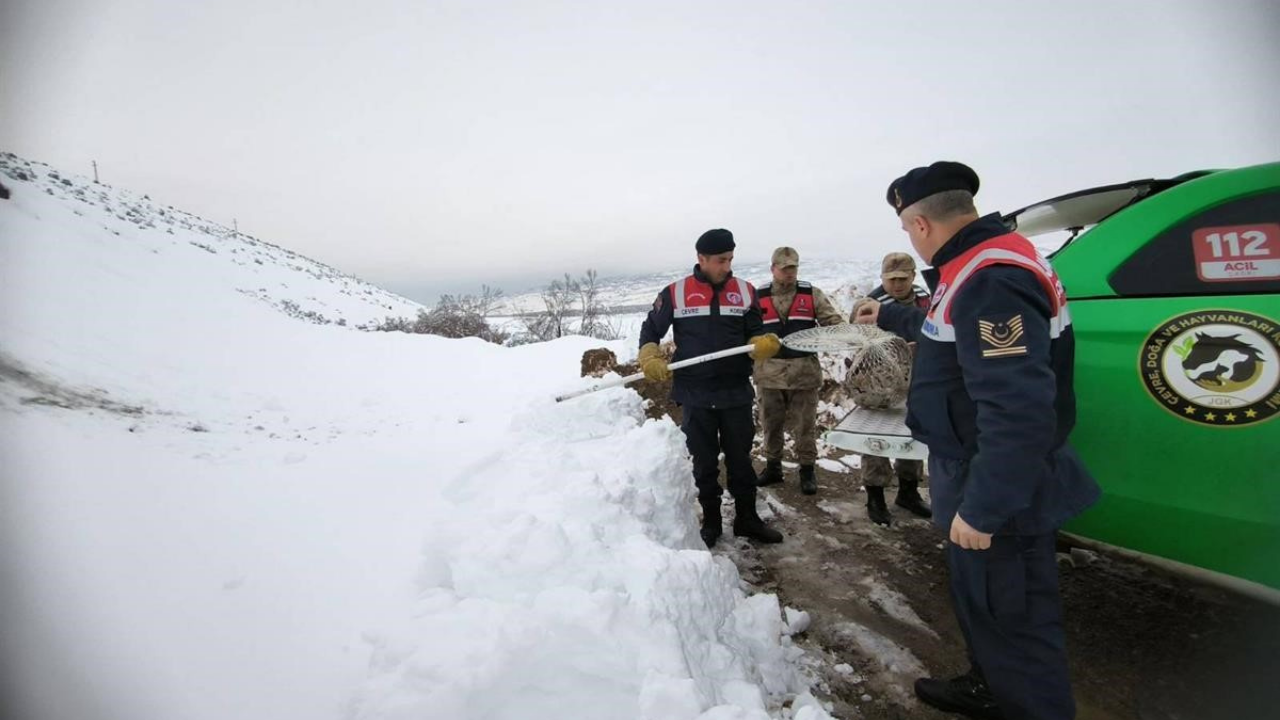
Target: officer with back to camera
(992,397)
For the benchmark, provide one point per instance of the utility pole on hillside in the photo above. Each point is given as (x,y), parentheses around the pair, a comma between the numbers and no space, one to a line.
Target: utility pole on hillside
(235,227)
(95,172)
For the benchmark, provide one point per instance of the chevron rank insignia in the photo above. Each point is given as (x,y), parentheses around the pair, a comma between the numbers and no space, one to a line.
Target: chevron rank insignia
(1001,336)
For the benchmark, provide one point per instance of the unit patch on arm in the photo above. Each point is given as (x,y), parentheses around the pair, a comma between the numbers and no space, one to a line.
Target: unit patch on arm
(1001,336)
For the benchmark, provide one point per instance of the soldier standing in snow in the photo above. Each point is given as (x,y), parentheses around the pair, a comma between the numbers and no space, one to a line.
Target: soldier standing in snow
(897,286)
(992,397)
(789,382)
(711,310)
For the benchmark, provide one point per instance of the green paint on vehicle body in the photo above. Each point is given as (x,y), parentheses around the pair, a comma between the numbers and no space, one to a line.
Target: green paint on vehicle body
(1192,480)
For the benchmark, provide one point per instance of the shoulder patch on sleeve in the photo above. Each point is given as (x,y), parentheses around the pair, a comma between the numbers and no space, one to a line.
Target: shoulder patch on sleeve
(1001,336)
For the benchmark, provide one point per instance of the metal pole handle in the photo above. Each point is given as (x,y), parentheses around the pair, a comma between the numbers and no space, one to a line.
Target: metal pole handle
(615,382)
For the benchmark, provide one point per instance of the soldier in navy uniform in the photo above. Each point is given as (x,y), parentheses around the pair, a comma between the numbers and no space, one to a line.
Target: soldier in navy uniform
(711,310)
(897,286)
(992,397)
(789,382)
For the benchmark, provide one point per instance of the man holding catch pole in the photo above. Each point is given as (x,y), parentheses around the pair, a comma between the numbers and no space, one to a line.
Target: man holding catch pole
(711,310)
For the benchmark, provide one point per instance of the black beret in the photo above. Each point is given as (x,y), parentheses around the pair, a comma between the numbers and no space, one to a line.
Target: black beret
(922,182)
(714,242)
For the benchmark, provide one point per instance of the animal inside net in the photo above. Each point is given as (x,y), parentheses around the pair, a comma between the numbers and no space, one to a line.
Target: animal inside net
(880,371)
(880,374)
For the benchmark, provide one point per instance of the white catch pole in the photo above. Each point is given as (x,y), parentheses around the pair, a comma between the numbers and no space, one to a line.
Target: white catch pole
(615,382)
(831,338)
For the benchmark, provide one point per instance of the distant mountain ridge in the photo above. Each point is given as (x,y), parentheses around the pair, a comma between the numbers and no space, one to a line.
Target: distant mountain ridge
(842,280)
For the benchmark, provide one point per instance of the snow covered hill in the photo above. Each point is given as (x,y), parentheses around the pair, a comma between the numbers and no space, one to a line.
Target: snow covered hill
(123,222)
(216,504)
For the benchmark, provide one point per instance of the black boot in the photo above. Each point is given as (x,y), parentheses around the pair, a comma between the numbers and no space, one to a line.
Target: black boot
(808,483)
(712,523)
(909,499)
(747,523)
(772,474)
(876,509)
(967,695)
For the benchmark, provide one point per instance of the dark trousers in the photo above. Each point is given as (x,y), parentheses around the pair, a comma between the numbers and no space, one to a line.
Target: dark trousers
(1006,599)
(707,432)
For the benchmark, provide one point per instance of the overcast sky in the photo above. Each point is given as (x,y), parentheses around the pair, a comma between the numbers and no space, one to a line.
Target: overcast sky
(431,146)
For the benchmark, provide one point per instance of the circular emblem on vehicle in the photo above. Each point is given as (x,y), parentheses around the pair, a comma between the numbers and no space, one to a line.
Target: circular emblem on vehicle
(1215,367)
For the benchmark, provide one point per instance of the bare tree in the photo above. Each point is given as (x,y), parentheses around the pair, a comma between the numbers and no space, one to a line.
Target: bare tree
(558,300)
(482,304)
(589,303)
(454,316)
(563,300)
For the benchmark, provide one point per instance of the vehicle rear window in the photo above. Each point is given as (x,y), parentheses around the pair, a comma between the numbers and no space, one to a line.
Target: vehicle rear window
(1230,249)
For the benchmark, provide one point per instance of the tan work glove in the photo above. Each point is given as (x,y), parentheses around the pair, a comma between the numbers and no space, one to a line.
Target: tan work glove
(767,345)
(653,364)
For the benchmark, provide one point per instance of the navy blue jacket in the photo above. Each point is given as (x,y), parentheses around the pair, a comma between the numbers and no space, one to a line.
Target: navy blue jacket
(722,383)
(1005,418)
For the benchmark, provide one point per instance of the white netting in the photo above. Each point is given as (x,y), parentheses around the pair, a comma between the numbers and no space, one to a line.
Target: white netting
(837,338)
(880,370)
(880,374)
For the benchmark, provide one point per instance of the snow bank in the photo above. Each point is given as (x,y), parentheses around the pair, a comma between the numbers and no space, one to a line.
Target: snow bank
(212,509)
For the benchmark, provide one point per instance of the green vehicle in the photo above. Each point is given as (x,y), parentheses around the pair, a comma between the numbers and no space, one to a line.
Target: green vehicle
(1175,299)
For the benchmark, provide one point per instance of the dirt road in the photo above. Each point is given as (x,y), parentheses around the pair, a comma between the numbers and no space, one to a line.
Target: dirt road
(1143,644)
